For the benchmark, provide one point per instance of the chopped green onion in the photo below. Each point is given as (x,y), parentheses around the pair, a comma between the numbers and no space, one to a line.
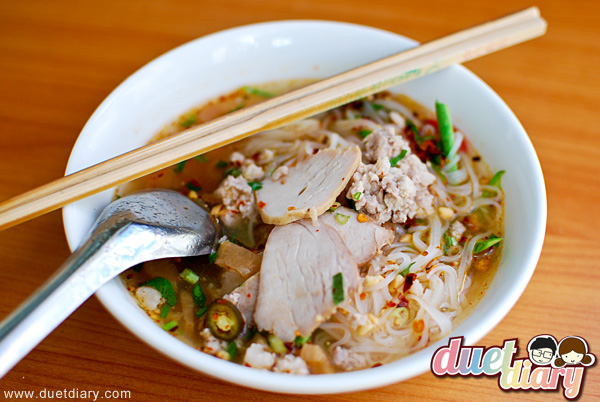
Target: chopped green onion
(394,161)
(440,173)
(250,334)
(170,325)
(164,287)
(448,241)
(201,158)
(232,350)
(406,271)
(301,340)
(338,288)
(221,164)
(189,276)
(276,344)
(235,109)
(495,180)
(234,171)
(445,127)
(255,185)
(201,311)
(259,92)
(189,121)
(351,204)
(418,139)
(117,197)
(356,196)
(213,257)
(341,219)
(193,185)
(179,167)
(363,133)
(377,106)
(399,316)
(164,311)
(483,245)
(334,206)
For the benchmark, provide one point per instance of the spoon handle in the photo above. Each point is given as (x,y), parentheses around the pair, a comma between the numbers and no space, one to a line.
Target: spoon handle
(92,265)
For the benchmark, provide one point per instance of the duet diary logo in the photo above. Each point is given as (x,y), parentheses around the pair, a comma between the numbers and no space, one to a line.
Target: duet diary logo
(550,364)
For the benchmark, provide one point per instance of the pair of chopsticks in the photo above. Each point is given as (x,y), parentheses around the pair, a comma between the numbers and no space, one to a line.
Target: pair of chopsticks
(295,105)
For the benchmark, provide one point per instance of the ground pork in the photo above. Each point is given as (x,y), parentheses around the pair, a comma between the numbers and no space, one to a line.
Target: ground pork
(457,229)
(259,357)
(249,169)
(212,345)
(383,143)
(291,364)
(348,360)
(391,193)
(237,199)
(148,298)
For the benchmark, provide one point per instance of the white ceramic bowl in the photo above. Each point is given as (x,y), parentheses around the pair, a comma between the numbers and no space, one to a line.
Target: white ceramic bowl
(202,69)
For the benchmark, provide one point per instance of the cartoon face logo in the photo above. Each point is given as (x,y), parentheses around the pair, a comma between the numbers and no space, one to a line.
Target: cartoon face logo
(573,350)
(542,349)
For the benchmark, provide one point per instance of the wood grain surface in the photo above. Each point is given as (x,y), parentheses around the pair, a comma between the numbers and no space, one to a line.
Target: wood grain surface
(60,59)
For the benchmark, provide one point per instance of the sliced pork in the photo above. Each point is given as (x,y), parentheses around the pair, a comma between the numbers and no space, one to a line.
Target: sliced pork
(309,188)
(297,278)
(363,239)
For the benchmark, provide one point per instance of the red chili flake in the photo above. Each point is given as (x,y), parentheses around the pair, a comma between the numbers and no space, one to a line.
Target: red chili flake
(343,178)
(215,316)
(249,295)
(408,281)
(291,208)
(161,174)
(425,252)
(315,151)
(376,365)
(242,202)
(362,296)
(391,304)
(418,325)
(261,204)
(233,211)
(256,156)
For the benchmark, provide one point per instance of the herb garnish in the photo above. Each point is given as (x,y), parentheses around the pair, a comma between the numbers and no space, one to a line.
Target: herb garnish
(234,171)
(255,185)
(189,276)
(341,219)
(221,164)
(189,121)
(483,245)
(193,185)
(363,133)
(406,271)
(179,167)
(200,300)
(338,288)
(256,91)
(394,161)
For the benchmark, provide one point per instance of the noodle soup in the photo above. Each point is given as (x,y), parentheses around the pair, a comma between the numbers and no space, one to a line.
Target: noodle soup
(414,226)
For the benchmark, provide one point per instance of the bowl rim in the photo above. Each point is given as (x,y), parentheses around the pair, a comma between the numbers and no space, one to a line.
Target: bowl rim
(329,383)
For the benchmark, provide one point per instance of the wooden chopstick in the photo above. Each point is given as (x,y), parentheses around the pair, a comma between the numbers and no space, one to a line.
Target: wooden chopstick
(298,104)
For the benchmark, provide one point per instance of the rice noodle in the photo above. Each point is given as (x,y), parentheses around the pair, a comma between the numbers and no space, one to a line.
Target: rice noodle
(441,277)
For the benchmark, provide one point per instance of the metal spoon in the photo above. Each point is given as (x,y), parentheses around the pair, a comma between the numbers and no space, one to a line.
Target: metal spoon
(144,226)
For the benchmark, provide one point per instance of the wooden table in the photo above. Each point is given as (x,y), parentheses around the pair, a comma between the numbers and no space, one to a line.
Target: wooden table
(58,60)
